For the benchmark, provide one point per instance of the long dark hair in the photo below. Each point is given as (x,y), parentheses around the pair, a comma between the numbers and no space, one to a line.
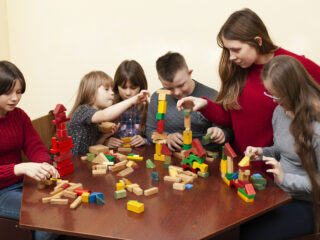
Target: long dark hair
(300,94)
(131,70)
(244,25)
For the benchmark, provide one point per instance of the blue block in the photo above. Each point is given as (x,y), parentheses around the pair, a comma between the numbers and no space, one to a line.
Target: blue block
(92,197)
(189,186)
(235,176)
(257,175)
(155,176)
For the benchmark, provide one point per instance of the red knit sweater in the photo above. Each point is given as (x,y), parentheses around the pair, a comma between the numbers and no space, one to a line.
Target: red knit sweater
(17,133)
(252,123)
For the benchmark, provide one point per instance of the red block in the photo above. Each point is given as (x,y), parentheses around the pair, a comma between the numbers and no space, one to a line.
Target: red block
(61,126)
(80,191)
(229,151)
(64,186)
(197,144)
(187,167)
(165,150)
(63,163)
(62,133)
(61,157)
(249,189)
(65,170)
(160,126)
(66,143)
(193,150)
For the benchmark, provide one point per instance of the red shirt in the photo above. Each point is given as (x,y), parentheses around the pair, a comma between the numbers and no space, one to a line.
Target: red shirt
(17,133)
(252,123)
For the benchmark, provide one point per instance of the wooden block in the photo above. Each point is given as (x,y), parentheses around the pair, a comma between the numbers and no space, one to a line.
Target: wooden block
(164,91)
(56,191)
(187,122)
(119,186)
(179,169)
(159,136)
(162,106)
(187,137)
(69,194)
(106,127)
(119,166)
(99,171)
(209,159)
(60,183)
(121,149)
(162,97)
(158,148)
(121,157)
(84,158)
(120,194)
(100,159)
(190,174)
(96,149)
(125,172)
(76,202)
(59,201)
(179,186)
(171,179)
(130,163)
(131,187)
(72,187)
(85,197)
(135,206)
(101,166)
(151,191)
(185,178)
(137,158)
(138,191)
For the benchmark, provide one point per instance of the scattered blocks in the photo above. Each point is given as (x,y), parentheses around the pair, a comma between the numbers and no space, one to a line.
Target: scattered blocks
(96,149)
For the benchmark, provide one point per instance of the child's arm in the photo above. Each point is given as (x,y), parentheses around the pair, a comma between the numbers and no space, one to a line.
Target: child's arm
(114,111)
(103,138)
(37,171)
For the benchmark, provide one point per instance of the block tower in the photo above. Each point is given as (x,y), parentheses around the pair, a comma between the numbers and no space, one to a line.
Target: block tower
(62,144)
(240,179)
(159,137)
(193,153)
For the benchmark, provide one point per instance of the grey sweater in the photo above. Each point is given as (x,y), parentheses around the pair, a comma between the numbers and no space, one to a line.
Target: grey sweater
(174,120)
(295,181)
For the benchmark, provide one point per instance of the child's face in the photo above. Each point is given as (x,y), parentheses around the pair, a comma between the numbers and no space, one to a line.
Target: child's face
(10,100)
(128,90)
(242,54)
(104,97)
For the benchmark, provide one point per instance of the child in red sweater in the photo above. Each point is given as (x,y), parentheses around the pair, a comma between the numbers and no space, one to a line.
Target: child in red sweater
(17,133)
(241,104)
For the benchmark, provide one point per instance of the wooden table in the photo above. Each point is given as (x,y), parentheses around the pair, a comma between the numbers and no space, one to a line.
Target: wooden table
(207,210)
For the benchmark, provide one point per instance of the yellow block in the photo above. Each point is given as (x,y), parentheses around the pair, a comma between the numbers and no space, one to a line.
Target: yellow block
(223,166)
(226,181)
(120,186)
(125,139)
(187,137)
(203,167)
(162,106)
(159,157)
(126,145)
(135,206)
(244,198)
(158,148)
(85,197)
(134,158)
(245,162)
(173,172)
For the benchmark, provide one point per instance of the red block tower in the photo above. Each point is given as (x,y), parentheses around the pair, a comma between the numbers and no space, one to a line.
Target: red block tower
(62,144)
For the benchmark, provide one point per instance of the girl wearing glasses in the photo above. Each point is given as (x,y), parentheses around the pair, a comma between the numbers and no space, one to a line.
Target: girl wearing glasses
(295,154)
(241,104)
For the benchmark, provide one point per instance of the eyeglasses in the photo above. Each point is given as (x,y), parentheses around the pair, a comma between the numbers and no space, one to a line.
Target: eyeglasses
(266,92)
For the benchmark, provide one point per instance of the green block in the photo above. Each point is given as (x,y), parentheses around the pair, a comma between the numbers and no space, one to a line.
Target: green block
(229,175)
(224,156)
(150,164)
(214,155)
(100,201)
(187,146)
(206,139)
(160,116)
(186,112)
(243,191)
(90,156)
(258,186)
(195,158)
(166,165)
(201,174)
(110,158)
(256,180)
(131,154)
(120,194)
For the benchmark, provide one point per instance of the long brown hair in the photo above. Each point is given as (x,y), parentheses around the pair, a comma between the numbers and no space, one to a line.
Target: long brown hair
(131,70)
(244,25)
(88,87)
(300,94)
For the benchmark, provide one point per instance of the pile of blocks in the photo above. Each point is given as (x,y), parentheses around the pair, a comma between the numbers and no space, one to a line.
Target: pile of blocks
(181,179)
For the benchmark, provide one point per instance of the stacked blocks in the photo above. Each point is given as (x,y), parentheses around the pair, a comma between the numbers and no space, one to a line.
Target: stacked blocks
(259,183)
(160,137)
(240,179)
(62,144)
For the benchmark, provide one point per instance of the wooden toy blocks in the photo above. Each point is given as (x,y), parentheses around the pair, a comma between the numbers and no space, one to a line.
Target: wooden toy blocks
(135,206)
(96,149)
(151,191)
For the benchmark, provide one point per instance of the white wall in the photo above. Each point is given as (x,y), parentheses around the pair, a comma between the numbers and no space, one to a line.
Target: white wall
(4,39)
(56,42)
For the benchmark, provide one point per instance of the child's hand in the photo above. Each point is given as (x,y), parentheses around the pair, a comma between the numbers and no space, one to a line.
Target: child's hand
(276,168)
(142,97)
(254,152)
(175,141)
(217,135)
(193,103)
(37,171)
(114,129)
(114,142)
(137,141)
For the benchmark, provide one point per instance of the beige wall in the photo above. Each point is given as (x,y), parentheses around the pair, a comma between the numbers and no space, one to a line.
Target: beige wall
(56,42)
(4,38)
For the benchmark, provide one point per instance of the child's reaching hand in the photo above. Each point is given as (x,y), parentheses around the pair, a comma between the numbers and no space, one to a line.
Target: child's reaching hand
(142,97)
(137,141)
(193,103)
